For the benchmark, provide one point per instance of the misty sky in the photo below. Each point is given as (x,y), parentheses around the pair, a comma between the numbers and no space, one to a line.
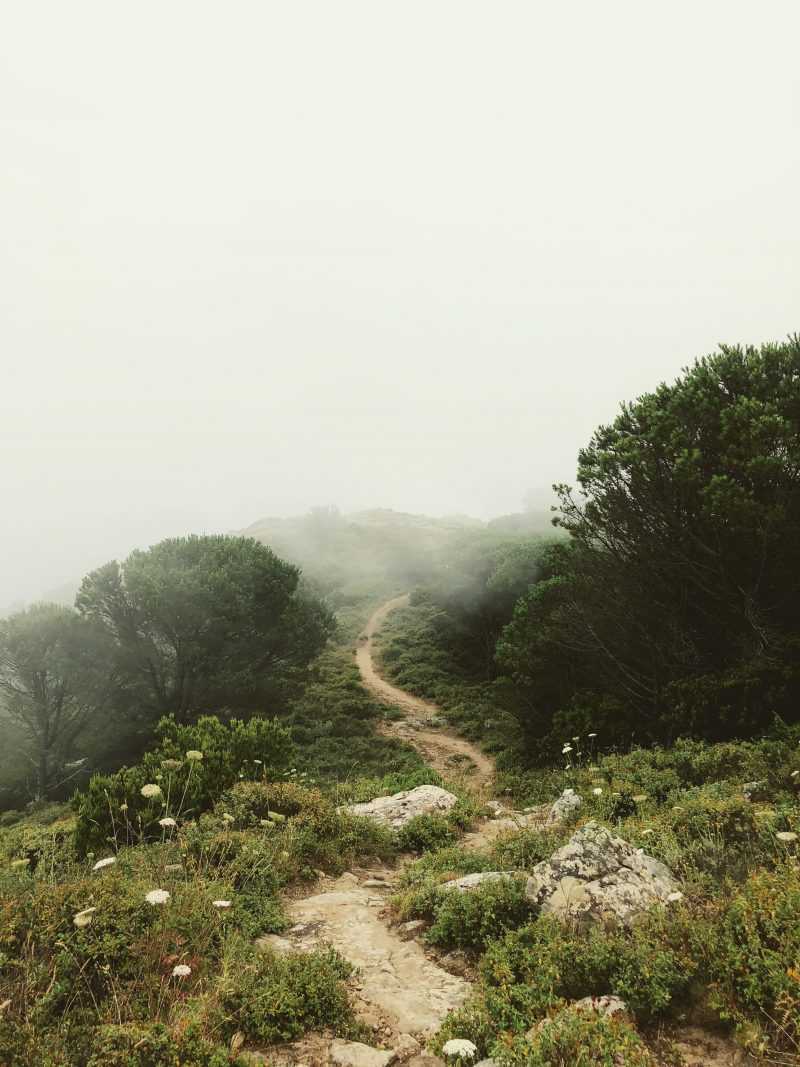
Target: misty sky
(258,256)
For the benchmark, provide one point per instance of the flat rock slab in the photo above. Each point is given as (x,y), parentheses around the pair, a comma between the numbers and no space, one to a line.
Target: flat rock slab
(400,808)
(470,882)
(394,975)
(354,1054)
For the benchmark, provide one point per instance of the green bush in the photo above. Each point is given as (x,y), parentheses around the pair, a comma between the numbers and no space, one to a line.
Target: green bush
(279,998)
(426,833)
(113,811)
(155,1046)
(581,1039)
(754,959)
(471,920)
(251,802)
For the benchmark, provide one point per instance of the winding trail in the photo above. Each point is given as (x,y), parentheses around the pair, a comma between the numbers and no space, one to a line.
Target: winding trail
(452,756)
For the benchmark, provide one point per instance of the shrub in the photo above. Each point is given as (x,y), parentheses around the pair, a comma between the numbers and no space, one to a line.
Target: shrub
(580,1039)
(754,960)
(112,810)
(279,998)
(154,1046)
(251,802)
(470,920)
(426,833)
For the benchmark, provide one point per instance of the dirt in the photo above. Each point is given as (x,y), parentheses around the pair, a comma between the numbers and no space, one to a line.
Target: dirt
(452,756)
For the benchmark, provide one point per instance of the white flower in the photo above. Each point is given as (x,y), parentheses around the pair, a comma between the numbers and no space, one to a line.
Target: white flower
(181,970)
(460,1047)
(226,817)
(83,918)
(104,863)
(576,739)
(566,749)
(640,798)
(123,807)
(194,754)
(649,830)
(167,822)
(794,774)
(597,791)
(258,761)
(150,790)
(591,735)
(222,904)
(673,898)
(157,896)
(787,836)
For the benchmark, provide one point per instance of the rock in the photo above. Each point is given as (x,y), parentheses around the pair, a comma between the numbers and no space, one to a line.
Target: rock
(376,883)
(275,943)
(606,1005)
(411,928)
(755,790)
(487,1063)
(597,877)
(495,806)
(472,881)
(398,809)
(354,1054)
(455,963)
(406,1046)
(425,1060)
(564,808)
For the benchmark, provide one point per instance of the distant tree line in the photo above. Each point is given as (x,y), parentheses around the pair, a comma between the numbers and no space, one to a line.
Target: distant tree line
(190,626)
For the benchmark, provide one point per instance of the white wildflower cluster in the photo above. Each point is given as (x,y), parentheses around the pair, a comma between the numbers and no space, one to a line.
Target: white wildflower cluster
(460,1047)
(150,790)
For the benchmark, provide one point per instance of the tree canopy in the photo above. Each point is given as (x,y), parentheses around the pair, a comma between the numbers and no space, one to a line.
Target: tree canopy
(205,623)
(675,606)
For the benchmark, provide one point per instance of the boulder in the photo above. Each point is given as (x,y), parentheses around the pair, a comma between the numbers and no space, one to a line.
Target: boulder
(397,810)
(606,1005)
(564,808)
(406,1046)
(469,882)
(599,878)
(354,1054)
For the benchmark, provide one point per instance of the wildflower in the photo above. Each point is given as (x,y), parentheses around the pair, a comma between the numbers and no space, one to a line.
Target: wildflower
(171,764)
(576,739)
(123,807)
(673,898)
(794,774)
(194,755)
(104,863)
(267,824)
(786,836)
(275,816)
(227,817)
(648,831)
(157,896)
(83,918)
(221,904)
(591,735)
(150,790)
(20,863)
(181,970)
(258,761)
(566,750)
(597,791)
(640,798)
(456,1046)
(167,822)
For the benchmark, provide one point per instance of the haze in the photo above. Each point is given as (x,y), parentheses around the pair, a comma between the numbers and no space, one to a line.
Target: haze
(262,256)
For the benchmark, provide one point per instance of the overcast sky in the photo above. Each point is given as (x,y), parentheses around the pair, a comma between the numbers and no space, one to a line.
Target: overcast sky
(258,256)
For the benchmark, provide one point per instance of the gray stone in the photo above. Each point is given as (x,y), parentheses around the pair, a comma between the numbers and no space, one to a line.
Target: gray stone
(606,1005)
(411,928)
(400,808)
(406,1046)
(469,882)
(354,1054)
(599,878)
(564,808)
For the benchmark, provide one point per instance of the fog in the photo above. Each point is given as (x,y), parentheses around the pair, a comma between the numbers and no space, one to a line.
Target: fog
(262,256)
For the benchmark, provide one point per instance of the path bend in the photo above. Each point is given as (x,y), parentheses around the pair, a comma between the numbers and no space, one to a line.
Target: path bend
(443,749)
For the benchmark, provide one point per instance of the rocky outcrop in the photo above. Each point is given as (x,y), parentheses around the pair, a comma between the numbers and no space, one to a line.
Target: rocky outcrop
(354,1054)
(397,810)
(468,882)
(599,878)
(607,1005)
(564,808)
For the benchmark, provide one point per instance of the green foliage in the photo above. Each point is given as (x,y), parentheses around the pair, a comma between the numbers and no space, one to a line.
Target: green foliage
(155,1046)
(200,622)
(279,998)
(580,1039)
(754,960)
(113,811)
(674,607)
(425,833)
(471,920)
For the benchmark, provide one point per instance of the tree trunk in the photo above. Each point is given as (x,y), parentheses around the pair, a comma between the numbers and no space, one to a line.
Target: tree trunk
(43,775)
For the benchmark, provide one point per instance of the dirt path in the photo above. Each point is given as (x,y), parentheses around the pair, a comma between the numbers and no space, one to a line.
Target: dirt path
(452,756)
